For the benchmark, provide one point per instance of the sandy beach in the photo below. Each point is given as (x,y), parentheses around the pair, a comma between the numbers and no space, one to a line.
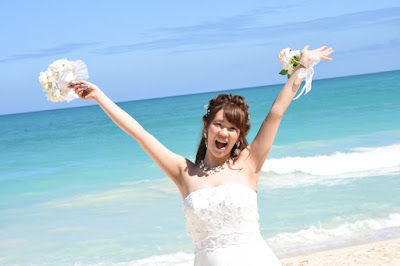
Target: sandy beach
(378,253)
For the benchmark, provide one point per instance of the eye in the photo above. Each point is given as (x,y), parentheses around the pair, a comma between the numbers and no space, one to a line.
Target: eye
(232,128)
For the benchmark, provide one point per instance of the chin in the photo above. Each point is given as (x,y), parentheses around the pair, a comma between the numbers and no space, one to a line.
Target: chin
(221,154)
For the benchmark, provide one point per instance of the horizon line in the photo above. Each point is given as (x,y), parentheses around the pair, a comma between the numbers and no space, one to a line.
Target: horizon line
(181,95)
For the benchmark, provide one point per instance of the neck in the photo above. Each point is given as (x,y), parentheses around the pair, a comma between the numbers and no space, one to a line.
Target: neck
(212,161)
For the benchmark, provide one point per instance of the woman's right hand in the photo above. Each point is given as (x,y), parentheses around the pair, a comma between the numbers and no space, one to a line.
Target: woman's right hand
(91,92)
(322,53)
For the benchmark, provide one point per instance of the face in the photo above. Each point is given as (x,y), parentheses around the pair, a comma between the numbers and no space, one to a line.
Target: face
(221,136)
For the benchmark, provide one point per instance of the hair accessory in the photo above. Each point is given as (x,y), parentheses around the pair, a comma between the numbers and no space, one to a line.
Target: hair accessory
(207,109)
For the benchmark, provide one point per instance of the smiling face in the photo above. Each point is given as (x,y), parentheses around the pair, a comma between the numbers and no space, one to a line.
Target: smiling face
(221,136)
(224,113)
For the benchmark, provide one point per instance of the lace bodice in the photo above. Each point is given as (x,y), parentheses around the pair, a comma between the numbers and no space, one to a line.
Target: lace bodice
(217,217)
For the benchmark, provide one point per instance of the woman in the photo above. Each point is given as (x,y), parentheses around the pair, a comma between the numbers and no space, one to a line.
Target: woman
(219,189)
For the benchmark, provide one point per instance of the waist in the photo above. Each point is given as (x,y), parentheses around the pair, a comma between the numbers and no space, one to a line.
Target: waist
(212,242)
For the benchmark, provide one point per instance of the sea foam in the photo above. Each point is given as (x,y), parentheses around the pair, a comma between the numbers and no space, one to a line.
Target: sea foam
(320,238)
(356,163)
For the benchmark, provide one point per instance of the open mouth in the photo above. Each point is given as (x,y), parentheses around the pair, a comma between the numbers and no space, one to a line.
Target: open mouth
(220,145)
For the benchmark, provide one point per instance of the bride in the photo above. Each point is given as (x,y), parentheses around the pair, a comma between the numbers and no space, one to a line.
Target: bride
(219,189)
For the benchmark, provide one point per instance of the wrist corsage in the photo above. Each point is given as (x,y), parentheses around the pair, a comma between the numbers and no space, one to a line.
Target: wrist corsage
(290,60)
(60,74)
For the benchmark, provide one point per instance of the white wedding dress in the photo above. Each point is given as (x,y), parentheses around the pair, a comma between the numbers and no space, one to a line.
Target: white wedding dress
(222,222)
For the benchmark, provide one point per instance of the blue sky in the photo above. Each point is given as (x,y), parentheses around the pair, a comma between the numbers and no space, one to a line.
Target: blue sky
(147,49)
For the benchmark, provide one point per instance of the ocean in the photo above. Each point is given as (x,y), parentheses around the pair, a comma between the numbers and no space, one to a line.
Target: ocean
(77,190)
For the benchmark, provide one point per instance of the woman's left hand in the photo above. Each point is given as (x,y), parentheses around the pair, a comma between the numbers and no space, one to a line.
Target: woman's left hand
(85,90)
(322,53)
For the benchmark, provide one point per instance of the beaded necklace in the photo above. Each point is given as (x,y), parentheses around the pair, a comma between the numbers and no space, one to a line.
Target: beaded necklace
(211,170)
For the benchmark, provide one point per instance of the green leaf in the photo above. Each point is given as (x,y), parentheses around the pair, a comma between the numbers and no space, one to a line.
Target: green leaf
(288,76)
(283,72)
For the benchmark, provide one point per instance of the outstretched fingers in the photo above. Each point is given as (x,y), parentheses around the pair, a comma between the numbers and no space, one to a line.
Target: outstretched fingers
(80,84)
(326,58)
(326,53)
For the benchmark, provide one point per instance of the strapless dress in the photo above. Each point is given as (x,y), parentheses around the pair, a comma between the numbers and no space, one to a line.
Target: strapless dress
(223,224)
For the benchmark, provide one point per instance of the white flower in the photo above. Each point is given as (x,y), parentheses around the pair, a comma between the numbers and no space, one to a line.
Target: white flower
(289,67)
(52,97)
(289,59)
(282,55)
(43,79)
(295,53)
(60,65)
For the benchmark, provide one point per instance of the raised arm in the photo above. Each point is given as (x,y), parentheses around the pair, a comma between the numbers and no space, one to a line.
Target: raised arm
(169,162)
(262,143)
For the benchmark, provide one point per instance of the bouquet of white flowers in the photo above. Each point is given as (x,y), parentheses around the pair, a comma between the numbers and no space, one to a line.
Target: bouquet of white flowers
(60,74)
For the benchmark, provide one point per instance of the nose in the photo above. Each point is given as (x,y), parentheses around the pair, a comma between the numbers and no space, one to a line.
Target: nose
(223,132)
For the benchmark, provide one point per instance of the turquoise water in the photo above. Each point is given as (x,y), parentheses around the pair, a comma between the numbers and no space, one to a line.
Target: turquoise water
(75,189)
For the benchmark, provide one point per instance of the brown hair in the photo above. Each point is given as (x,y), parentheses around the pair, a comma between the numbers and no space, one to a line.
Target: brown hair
(236,111)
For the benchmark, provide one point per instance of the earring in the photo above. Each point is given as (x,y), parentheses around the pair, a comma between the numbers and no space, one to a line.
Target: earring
(237,150)
(205,139)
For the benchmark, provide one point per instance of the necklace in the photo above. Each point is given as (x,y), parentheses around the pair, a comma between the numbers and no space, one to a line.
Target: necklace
(211,170)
